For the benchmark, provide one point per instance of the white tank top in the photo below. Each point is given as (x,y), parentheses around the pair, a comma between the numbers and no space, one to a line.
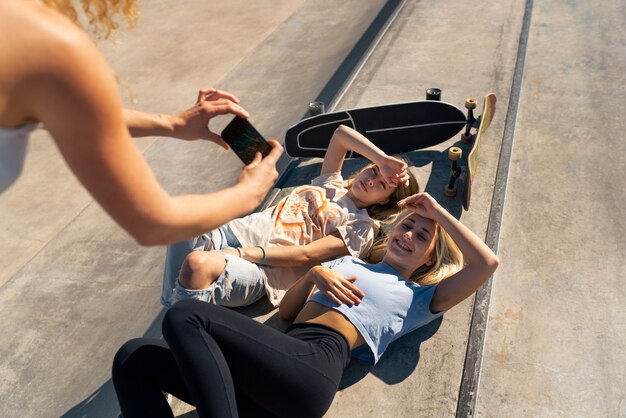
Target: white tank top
(13,144)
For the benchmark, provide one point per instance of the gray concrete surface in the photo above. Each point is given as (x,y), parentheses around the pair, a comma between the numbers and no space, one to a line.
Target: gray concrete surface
(73,286)
(556,339)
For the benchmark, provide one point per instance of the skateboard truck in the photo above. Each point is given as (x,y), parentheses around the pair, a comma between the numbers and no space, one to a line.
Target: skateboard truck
(466,171)
(454,154)
(470,105)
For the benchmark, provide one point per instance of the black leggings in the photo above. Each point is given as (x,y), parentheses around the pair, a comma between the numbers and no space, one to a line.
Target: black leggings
(228,365)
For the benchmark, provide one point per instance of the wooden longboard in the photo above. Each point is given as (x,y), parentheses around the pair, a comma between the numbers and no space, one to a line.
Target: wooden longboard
(489,109)
(394,128)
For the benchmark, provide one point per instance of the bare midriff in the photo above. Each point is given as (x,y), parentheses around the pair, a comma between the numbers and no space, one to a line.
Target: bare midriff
(316,313)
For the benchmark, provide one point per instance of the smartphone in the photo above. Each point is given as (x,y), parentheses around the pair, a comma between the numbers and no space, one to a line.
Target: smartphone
(245,140)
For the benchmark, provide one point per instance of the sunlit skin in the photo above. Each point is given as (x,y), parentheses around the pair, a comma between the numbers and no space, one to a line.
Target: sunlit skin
(370,187)
(411,244)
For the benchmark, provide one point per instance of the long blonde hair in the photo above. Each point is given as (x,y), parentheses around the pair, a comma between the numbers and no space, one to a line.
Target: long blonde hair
(447,258)
(387,213)
(101,14)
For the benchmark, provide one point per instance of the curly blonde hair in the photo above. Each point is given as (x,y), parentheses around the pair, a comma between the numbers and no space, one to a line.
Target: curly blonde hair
(101,14)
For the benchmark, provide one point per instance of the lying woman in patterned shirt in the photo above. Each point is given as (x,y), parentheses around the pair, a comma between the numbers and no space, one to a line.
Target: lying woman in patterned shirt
(266,252)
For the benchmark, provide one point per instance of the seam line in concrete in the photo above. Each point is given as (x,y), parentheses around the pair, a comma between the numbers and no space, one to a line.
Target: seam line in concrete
(43,247)
(468,391)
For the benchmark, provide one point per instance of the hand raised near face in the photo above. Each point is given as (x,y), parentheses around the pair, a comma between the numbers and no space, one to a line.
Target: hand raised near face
(422,204)
(394,171)
(257,177)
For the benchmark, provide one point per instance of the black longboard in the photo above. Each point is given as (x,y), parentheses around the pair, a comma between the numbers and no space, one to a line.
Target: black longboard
(394,128)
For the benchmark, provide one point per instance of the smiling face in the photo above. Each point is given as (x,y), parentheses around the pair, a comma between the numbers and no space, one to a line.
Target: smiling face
(411,244)
(369,187)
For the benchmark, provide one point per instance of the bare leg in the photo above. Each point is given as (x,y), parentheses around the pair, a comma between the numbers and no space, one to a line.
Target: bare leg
(200,269)
(219,278)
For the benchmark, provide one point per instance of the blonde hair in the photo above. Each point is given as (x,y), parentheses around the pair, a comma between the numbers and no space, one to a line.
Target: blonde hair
(447,258)
(387,213)
(100,13)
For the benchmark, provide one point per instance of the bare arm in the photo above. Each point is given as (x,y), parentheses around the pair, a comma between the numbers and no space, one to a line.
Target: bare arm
(295,298)
(480,261)
(190,124)
(148,124)
(72,91)
(347,139)
(323,249)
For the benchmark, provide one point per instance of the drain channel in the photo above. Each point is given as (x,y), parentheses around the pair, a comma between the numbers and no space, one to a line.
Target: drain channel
(476,342)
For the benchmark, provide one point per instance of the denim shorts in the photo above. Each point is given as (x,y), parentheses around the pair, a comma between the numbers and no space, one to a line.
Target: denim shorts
(241,283)
(218,239)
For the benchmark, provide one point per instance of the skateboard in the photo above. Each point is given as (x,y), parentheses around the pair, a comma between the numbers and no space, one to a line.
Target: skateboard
(467,171)
(394,128)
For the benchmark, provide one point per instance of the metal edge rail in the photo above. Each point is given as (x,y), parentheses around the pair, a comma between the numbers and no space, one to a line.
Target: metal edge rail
(468,391)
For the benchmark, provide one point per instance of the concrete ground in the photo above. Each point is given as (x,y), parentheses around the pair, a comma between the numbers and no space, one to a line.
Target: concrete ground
(74,287)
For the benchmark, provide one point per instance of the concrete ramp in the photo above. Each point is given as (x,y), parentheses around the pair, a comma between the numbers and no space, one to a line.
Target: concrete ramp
(545,338)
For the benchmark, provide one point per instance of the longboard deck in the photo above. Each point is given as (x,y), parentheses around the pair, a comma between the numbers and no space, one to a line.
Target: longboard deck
(394,128)
(489,109)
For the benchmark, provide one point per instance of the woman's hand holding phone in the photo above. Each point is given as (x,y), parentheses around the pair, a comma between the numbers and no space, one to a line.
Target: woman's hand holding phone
(260,175)
(245,140)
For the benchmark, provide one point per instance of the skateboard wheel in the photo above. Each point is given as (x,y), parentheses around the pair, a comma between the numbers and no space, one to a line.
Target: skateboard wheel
(316,108)
(433,93)
(449,191)
(454,153)
(466,138)
(470,103)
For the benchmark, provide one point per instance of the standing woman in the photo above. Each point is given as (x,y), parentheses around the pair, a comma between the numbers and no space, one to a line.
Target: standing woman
(227,364)
(53,76)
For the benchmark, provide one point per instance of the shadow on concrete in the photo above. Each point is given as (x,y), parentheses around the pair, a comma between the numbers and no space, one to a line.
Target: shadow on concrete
(438,178)
(102,403)
(398,362)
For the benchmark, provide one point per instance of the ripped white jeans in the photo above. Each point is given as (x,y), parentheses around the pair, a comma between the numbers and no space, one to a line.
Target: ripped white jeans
(240,284)
(218,239)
